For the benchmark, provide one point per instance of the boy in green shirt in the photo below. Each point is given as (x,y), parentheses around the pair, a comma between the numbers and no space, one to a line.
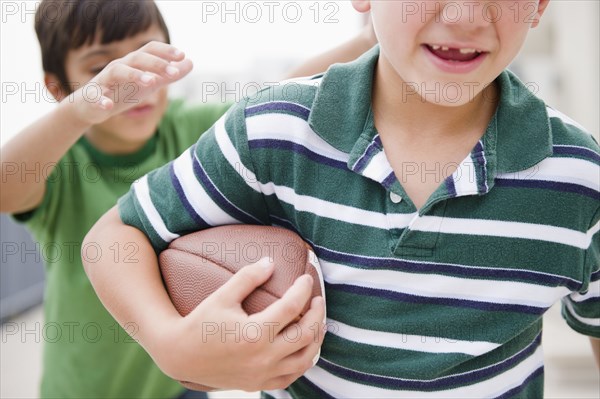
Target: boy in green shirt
(449,208)
(96,143)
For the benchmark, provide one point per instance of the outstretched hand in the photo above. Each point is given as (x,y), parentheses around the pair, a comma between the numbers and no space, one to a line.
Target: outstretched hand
(125,82)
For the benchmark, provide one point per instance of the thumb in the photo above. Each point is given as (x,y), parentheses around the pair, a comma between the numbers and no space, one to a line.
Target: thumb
(246,280)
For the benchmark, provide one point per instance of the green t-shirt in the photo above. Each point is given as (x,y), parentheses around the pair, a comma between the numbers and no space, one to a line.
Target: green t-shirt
(86,352)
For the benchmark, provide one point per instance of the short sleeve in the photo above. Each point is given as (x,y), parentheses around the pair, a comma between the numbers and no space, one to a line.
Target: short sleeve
(582,310)
(211,184)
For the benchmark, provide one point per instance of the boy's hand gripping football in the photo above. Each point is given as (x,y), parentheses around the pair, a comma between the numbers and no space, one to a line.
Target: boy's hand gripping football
(221,346)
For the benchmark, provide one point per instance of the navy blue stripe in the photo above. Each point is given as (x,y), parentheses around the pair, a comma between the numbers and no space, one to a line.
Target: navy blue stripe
(519,389)
(583,152)
(218,198)
(201,223)
(319,393)
(463,303)
(550,185)
(277,221)
(298,148)
(450,186)
(296,109)
(456,270)
(590,301)
(362,162)
(437,384)
(595,276)
(389,180)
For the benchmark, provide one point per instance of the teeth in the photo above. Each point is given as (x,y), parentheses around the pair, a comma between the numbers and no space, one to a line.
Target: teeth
(462,50)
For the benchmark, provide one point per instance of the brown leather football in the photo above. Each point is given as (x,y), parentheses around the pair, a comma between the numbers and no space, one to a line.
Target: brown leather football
(196,265)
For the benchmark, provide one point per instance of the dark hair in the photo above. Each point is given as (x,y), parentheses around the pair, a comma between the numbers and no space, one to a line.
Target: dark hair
(64,25)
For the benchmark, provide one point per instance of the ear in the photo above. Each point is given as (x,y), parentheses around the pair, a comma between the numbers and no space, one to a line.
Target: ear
(361,5)
(541,8)
(54,86)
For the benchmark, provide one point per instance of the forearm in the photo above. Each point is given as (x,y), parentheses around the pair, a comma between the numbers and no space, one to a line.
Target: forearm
(29,158)
(131,289)
(596,349)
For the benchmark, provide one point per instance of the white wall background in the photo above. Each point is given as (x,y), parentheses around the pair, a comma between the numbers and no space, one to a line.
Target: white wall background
(285,32)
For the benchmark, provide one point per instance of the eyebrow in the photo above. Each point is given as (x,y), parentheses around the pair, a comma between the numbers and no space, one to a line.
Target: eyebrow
(91,54)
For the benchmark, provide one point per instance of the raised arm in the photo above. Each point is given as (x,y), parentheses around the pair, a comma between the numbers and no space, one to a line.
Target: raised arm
(43,143)
(345,52)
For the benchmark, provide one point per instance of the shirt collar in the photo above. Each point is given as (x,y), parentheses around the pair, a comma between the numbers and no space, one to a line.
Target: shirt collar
(518,136)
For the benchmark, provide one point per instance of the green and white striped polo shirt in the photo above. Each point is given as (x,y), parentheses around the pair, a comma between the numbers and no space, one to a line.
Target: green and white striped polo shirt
(443,302)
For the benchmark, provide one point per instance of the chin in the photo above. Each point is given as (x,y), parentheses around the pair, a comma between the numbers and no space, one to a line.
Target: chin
(448,93)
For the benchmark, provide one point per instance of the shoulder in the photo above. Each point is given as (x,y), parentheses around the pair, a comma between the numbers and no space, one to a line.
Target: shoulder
(294,96)
(570,139)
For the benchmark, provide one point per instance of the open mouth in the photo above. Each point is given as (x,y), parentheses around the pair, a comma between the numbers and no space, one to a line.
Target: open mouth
(454,54)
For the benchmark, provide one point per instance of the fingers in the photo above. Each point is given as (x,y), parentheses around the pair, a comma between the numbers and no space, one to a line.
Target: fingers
(150,63)
(281,382)
(163,50)
(288,307)
(246,280)
(309,331)
(155,62)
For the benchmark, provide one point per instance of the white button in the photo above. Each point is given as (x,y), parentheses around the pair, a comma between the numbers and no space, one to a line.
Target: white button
(395,198)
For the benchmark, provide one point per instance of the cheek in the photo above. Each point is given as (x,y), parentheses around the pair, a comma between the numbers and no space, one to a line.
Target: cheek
(394,27)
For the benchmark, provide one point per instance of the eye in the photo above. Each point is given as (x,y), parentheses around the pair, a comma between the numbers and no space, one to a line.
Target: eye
(97,69)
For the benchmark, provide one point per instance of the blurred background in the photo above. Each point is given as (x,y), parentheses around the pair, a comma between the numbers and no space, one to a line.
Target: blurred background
(236,47)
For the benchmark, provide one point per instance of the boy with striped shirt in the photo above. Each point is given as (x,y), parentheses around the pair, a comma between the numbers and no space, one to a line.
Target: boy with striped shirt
(449,207)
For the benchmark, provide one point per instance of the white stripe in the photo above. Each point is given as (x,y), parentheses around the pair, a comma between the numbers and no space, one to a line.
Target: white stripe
(279,394)
(585,320)
(142,192)
(230,153)
(194,192)
(290,128)
(593,292)
(562,170)
(552,113)
(304,80)
(250,108)
(418,343)
(492,387)
(465,178)
(306,203)
(440,286)
(378,168)
(331,210)
(501,228)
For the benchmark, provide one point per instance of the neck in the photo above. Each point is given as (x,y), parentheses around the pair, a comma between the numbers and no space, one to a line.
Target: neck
(398,108)
(112,145)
